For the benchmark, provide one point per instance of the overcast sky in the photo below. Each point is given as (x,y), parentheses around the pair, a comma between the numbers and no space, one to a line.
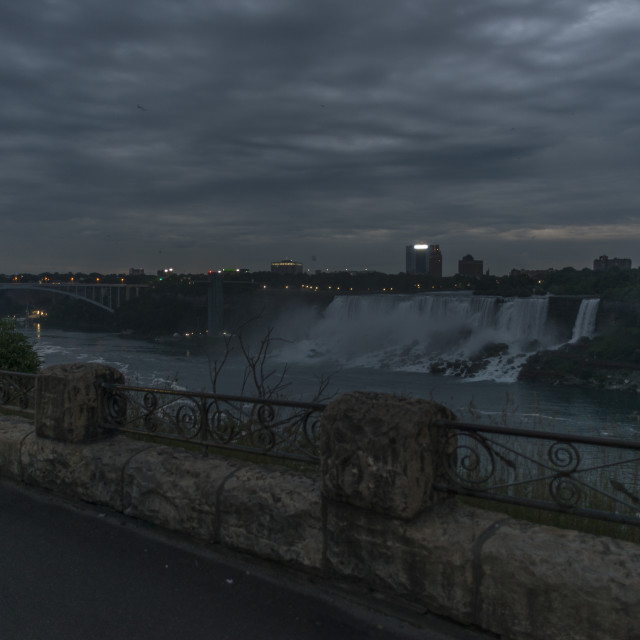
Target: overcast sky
(218,133)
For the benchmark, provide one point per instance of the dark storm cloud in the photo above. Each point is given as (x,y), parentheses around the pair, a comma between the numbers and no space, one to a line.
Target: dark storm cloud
(240,131)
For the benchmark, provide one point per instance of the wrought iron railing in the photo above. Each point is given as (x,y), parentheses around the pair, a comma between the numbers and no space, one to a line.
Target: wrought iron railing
(283,429)
(596,477)
(17,392)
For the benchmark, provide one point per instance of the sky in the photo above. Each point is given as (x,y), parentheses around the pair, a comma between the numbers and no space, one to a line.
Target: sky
(231,133)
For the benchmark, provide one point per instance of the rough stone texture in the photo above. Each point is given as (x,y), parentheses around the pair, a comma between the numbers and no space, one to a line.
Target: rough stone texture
(274,514)
(540,582)
(518,580)
(67,400)
(428,562)
(177,489)
(378,452)
(13,431)
(90,472)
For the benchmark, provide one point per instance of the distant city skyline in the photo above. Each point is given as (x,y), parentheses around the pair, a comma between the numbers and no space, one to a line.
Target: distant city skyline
(418,260)
(450,266)
(196,135)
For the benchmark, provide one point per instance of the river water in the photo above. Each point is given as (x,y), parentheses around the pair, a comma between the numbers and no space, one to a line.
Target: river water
(185,364)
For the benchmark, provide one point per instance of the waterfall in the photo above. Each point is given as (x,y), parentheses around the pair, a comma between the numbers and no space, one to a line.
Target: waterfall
(585,324)
(418,332)
(524,318)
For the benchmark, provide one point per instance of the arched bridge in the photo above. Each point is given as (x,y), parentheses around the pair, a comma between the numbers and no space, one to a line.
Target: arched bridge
(105,296)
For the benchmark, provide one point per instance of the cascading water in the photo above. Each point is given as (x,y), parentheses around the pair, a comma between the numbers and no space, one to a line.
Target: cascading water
(585,324)
(428,332)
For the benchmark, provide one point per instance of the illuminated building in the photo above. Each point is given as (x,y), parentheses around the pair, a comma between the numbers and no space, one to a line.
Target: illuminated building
(417,256)
(286,266)
(424,258)
(470,267)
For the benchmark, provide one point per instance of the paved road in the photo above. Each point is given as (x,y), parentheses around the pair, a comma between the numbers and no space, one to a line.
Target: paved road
(72,571)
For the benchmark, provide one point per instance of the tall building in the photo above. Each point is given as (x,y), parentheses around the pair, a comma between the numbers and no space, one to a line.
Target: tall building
(470,267)
(417,258)
(604,262)
(435,261)
(424,258)
(286,266)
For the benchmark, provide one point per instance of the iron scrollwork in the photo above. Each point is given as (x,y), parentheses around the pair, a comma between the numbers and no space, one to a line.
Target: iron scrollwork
(470,461)
(565,456)
(565,491)
(579,474)
(269,427)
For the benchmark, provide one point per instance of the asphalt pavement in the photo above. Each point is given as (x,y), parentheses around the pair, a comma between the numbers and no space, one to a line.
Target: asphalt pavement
(74,571)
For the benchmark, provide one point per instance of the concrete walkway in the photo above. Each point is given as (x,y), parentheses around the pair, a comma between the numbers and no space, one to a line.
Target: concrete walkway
(73,571)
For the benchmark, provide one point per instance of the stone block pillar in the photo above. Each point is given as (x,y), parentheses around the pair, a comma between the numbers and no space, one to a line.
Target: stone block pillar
(68,400)
(380,452)
(380,455)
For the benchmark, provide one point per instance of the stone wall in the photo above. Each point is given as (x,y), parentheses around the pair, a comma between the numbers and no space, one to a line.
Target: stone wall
(368,518)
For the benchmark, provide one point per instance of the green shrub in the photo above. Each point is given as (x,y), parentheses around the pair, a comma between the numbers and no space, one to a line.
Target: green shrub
(621,345)
(16,352)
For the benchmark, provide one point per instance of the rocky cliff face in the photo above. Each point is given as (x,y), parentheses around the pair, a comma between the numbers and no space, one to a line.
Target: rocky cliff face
(612,314)
(574,365)
(562,313)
